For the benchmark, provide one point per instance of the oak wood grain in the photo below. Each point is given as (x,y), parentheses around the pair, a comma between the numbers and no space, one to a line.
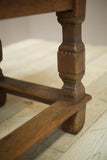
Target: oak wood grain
(17,8)
(29,90)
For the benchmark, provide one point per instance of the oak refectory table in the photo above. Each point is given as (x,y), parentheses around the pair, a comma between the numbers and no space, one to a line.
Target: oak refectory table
(68,104)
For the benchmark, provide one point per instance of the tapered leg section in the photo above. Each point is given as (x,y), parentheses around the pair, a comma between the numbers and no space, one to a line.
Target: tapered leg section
(75,123)
(71,62)
(2,95)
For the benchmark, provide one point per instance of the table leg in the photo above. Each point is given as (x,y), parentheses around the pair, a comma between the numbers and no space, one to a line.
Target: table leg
(71,63)
(2,94)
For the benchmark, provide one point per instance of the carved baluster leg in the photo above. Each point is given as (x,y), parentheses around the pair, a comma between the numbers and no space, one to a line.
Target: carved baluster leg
(2,95)
(71,62)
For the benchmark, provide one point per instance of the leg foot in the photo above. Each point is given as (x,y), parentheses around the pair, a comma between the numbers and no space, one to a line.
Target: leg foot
(2,99)
(75,123)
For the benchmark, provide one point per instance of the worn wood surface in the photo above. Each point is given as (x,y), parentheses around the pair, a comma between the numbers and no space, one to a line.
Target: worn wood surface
(17,8)
(19,110)
(33,91)
(20,140)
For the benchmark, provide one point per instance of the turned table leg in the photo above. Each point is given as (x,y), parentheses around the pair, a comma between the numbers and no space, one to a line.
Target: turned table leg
(2,95)
(71,62)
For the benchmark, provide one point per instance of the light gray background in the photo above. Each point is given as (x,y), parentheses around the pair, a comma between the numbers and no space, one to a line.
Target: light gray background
(45,26)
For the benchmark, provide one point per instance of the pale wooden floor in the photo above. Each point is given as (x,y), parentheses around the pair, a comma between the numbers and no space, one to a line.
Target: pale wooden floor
(35,60)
